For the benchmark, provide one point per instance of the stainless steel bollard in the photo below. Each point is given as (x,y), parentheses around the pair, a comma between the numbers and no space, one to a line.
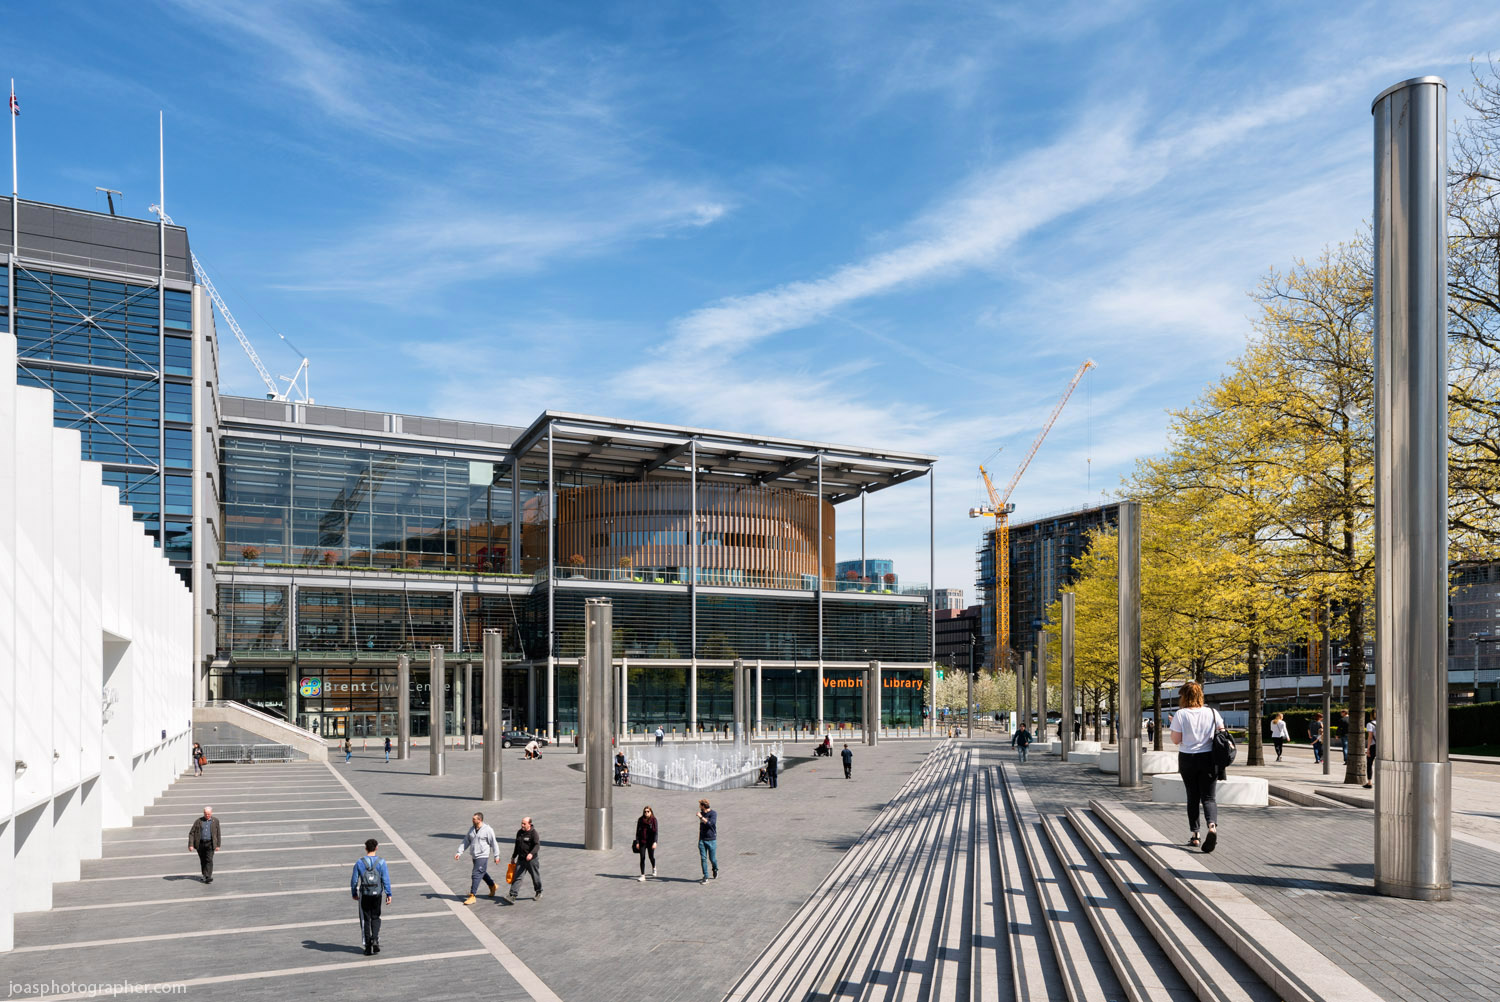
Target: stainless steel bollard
(1413,778)
(598,729)
(1129,565)
(437,712)
(491,784)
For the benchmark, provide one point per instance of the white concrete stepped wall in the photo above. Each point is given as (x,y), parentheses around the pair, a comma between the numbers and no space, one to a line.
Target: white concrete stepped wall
(87,602)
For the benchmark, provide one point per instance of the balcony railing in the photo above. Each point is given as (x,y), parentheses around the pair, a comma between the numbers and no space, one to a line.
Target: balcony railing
(729,578)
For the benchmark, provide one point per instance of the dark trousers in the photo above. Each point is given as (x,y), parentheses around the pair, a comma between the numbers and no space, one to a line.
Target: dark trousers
(369,919)
(1198,775)
(532,866)
(771,778)
(1278,742)
(646,850)
(206,859)
(481,872)
(848,769)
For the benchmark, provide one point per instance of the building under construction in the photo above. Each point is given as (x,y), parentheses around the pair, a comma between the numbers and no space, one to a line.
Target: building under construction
(1042,553)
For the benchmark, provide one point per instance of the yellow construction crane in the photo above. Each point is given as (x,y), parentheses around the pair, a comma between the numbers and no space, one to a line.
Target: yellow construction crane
(999,509)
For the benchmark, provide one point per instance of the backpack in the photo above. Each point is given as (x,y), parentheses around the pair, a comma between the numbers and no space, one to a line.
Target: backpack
(370,884)
(1223,747)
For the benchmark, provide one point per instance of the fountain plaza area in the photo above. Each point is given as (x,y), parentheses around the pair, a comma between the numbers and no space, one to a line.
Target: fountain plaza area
(701,765)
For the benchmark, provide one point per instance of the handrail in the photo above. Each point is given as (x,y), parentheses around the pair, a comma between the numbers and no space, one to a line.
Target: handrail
(244,708)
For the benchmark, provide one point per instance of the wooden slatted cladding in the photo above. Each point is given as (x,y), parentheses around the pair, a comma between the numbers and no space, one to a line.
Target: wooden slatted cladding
(756,536)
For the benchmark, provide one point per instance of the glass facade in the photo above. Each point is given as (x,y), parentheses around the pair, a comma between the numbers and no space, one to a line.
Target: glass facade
(317,505)
(118,358)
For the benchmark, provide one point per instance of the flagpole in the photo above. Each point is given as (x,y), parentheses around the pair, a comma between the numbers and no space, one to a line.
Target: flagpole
(15,200)
(14,187)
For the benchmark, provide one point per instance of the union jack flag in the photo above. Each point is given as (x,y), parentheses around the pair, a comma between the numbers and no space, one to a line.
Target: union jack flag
(15,104)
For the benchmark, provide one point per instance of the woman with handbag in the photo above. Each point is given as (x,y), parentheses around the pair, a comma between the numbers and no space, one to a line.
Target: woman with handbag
(645,841)
(1194,728)
(199,759)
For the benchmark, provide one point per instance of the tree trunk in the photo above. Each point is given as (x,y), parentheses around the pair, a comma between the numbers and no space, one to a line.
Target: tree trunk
(1257,755)
(1354,771)
(1198,670)
(1156,704)
(1098,722)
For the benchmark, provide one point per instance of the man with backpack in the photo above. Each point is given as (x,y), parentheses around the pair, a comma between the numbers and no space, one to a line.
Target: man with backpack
(369,882)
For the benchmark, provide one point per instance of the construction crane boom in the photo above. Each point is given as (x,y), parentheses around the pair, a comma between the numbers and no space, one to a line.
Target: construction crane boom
(274,391)
(1000,508)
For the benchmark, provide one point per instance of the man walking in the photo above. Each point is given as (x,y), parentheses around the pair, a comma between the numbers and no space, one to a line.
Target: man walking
(848,757)
(1315,735)
(480,842)
(659,734)
(348,750)
(1343,734)
(771,770)
(204,837)
(368,884)
(525,856)
(387,751)
(708,839)
(1021,740)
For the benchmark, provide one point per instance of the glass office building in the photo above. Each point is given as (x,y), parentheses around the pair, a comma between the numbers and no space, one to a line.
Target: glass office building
(107,316)
(353,538)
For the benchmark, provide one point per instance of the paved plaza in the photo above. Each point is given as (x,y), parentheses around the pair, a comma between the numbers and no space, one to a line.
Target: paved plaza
(278,919)
(278,922)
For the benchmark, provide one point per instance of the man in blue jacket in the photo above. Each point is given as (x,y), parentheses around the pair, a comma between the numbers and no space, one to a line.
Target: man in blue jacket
(369,882)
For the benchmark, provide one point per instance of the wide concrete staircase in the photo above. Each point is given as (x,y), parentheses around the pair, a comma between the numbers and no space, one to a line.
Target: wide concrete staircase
(961,891)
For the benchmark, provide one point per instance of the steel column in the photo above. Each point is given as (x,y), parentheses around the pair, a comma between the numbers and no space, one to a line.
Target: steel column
(1041,685)
(1128,727)
(1067,674)
(598,731)
(403,707)
(551,595)
(491,785)
(819,579)
(468,706)
(693,539)
(759,722)
(1413,779)
(1023,691)
(739,700)
(437,711)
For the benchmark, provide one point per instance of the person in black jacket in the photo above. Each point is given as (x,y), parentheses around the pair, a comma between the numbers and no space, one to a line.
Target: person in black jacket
(203,838)
(526,856)
(771,770)
(645,840)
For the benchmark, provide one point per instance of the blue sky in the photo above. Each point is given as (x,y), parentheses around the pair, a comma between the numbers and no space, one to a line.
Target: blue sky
(890,225)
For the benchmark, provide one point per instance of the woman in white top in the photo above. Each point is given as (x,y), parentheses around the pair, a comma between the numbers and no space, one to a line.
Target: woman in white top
(1278,734)
(1193,729)
(1370,751)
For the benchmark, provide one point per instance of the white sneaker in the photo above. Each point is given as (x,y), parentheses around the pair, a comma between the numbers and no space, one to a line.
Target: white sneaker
(653,871)
(641,878)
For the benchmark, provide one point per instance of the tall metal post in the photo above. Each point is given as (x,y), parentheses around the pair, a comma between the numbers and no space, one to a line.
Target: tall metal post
(1067,674)
(551,593)
(1327,685)
(969,689)
(1129,725)
(694,542)
(1023,691)
(403,707)
(875,709)
(1041,685)
(739,700)
(437,711)
(1413,780)
(491,784)
(759,721)
(599,733)
(624,722)
(468,706)
(818,578)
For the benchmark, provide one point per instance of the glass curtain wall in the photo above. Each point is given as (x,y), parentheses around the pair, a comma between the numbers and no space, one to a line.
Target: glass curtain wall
(119,362)
(317,505)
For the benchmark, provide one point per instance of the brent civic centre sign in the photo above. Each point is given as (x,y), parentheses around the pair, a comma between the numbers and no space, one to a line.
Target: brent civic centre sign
(312,686)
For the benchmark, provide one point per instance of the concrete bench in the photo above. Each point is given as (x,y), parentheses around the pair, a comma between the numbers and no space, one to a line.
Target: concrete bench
(1236,791)
(1152,762)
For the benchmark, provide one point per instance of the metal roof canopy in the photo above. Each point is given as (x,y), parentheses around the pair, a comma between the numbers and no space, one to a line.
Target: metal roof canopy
(636,450)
